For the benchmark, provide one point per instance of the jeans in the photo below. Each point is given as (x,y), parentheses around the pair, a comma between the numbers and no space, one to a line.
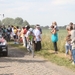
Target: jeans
(55,46)
(67,48)
(73,54)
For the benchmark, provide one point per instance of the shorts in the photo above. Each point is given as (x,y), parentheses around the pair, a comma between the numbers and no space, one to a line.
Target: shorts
(15,36)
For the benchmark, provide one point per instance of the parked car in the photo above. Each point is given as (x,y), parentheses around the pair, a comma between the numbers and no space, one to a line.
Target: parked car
(3,46)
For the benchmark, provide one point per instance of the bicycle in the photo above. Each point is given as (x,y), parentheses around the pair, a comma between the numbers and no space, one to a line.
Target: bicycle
(30,47)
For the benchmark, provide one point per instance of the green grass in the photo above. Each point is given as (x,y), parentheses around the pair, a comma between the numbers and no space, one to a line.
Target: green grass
(61,61)
(47,43)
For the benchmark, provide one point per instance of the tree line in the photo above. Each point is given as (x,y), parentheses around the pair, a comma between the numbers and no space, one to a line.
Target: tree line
(20,22)
(16,22)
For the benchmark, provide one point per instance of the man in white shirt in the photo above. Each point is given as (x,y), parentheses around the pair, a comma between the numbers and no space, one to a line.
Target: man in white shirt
(37,39)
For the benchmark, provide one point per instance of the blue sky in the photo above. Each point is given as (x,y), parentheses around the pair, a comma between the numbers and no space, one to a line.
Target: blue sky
(42,12)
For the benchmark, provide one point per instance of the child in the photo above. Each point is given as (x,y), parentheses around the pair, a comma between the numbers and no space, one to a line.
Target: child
(68,45)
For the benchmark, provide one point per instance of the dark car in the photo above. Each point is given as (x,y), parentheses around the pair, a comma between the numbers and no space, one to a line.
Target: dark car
(3,46)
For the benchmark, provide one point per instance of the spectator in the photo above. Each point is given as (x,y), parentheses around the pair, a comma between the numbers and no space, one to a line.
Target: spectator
(68,41)
(8,33)
(71,26)
(68,46)
(73,43)
(54,36)
(12,33)
(18,33)
(37,39)
(15,35)
(22,35)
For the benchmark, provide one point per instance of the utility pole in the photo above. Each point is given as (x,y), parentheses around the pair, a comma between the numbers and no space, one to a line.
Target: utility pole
(2,16)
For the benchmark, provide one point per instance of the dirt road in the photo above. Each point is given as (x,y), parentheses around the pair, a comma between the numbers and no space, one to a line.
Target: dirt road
(21,63)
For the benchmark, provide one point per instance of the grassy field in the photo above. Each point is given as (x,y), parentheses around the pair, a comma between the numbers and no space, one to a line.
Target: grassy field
(47,43)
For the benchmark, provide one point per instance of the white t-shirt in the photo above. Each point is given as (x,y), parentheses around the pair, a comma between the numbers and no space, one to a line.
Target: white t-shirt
(27,34)
(37,34)
(13,31)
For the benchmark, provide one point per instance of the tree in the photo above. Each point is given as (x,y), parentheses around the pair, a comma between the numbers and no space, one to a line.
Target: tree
(25,23)
(8,21)
(18,21)
(0,23)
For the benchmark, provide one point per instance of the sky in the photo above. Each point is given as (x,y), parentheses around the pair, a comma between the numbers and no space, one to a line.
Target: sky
(42,12)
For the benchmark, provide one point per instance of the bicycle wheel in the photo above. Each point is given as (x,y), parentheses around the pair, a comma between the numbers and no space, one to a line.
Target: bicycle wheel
(32,50)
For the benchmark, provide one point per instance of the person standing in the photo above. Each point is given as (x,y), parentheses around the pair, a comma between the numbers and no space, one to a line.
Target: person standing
(54,36)
(22,35)
(15,35)
(24,32)
(68,46)
(37,38)
(73,44)
(18,34)
(8,32)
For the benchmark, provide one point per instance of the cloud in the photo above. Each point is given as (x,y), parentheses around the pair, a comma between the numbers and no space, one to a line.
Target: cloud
(62,2)
(39,11)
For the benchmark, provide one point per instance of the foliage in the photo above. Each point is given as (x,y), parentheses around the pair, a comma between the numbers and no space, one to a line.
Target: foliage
(25,23)
(0,23)
(8,21)
(18,21)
